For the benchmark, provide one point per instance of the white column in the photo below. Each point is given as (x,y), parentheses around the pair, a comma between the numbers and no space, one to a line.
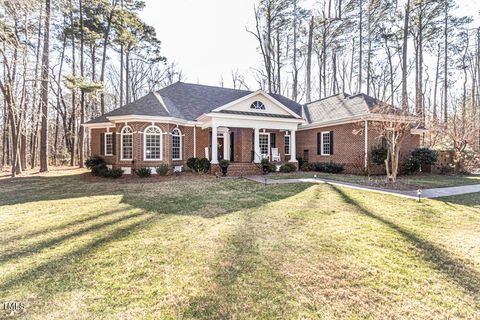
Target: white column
(366,147)
(256,149)
(194,141)
(214,145)
(293,146)
(226,146)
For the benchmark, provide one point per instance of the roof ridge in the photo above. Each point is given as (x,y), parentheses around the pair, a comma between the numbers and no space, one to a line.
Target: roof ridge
(210,86)
(324,98)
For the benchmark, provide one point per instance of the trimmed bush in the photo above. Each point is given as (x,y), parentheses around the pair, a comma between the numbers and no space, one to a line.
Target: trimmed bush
(268,166)
(99,170)
(328,167)
(288,167)
(192,163)
(306,166)
(94,161)
(418,159)
(224,163)
(379,155)
(144,172)
(114,173)
(162,169)
(203,165)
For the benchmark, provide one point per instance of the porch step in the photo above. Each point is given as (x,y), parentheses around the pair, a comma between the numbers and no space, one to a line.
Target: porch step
(238,169)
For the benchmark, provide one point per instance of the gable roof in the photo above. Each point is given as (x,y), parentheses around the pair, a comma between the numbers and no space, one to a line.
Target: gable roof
(186,101)
(340,106)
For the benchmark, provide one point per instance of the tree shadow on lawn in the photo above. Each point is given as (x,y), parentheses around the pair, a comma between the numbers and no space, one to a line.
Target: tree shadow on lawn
(173,197)
(245,282)
(53,276)
(470,200)
(46,274)
(440,259)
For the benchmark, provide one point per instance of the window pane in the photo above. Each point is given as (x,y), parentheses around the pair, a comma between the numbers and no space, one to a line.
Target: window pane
(127,146)
(108,144)
(264,144)
(287,145)
(176,146)
(152,145)
(326,143)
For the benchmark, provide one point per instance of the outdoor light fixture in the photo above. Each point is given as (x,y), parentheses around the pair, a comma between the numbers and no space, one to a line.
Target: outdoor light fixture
(419,194)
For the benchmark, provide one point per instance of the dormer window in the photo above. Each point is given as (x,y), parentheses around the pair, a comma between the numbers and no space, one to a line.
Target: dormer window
(257,105)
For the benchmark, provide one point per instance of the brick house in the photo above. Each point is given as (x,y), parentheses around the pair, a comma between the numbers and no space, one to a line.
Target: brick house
(190,120)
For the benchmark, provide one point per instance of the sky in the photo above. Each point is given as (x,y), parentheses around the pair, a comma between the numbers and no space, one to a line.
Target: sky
(208,38)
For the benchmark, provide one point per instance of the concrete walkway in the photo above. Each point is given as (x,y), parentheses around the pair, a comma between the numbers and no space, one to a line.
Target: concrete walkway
(412,194)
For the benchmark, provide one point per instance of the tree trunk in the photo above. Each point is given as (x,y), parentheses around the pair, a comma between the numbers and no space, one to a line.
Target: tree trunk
(44,101)
(405,57)
(445,65)
(295,67)
(73,131)
(81,133)
(309,61)
(104,55)
(435,88)
(360,49)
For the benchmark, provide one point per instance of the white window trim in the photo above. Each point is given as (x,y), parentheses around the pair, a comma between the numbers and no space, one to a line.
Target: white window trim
(181,143)
(121,143)
(268,143)
(289,144)
(105,143)
(322,151)
(145,144)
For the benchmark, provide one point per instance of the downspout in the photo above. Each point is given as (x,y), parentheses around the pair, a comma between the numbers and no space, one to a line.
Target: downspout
(366,147)
(194,141)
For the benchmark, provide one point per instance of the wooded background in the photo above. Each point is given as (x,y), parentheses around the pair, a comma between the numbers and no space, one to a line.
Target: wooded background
(64,62)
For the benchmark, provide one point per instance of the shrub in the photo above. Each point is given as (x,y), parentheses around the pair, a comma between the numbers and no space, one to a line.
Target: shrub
(379,155)
(144,172)
(94,161)
(288,167)
(425,156)
(114,173)
(301,161)
(268,166)
(162,169)
(306,166)
(418,159)
(224,163)
(203,165)
(192,163)
(447,169)
(328,167)
(99,170)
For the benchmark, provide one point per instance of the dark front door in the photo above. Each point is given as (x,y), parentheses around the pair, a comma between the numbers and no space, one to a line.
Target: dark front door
(220,148)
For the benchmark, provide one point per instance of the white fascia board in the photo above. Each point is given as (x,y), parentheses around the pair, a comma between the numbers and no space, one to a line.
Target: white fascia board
(263,93)
(233,117)
(98,125)
(139,118)
(253,123)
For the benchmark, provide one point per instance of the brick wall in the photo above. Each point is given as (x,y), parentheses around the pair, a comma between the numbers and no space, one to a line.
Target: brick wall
(349,146)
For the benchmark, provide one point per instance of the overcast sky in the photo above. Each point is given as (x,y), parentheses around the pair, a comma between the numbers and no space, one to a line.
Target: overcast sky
(208,38)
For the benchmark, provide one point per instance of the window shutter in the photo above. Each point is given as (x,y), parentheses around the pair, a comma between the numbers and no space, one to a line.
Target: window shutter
(273,140)
(331,142)
(319,143)
(114,138)
(102,143)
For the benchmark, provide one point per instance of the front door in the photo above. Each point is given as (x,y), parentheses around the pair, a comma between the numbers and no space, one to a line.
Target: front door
(220,144)
(264,145)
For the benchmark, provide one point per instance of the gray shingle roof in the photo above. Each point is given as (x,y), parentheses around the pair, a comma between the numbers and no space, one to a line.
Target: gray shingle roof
(187,101)
(339,106)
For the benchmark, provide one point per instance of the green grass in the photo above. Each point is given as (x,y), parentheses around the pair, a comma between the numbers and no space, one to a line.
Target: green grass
(220,249)
(412,182)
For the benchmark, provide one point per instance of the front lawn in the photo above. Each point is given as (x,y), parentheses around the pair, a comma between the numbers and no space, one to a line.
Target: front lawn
(234,249)
(410,182)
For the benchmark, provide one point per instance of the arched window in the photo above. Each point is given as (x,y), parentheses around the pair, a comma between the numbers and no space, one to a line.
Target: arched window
(176,144)
(257,105)
(152,146)
(127,143)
